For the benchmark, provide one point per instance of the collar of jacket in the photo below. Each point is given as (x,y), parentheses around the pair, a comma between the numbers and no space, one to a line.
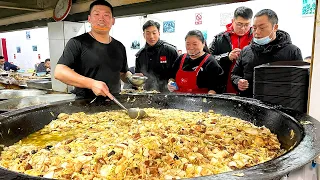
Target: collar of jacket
(149,48)
(158,44)
(282,39)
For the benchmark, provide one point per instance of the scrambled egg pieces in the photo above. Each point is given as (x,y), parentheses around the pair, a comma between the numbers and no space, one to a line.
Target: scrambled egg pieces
(168,144)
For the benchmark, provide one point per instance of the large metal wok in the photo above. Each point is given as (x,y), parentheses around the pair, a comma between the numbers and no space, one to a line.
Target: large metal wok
(16,125)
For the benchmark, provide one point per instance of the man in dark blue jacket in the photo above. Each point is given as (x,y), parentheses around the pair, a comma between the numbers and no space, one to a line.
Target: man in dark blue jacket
(6,66)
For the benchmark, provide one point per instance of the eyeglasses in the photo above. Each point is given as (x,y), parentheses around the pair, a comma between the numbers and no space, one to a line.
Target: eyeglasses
(240,25)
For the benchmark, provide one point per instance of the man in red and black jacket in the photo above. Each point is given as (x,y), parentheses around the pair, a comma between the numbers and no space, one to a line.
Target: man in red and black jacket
(226,46)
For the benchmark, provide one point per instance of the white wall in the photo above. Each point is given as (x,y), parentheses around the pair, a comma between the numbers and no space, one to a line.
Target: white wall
(27,58)
(127,30)
(288,11)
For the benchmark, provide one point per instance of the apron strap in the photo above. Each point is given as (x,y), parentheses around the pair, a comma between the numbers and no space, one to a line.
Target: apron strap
(200,65)
(182,61)
(202,62)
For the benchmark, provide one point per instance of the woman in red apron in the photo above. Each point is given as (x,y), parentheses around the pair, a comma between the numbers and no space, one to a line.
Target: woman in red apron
(196,72)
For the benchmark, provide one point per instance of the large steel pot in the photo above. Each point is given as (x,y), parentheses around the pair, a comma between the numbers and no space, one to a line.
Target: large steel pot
(11,93)
(305,142)
(19,103)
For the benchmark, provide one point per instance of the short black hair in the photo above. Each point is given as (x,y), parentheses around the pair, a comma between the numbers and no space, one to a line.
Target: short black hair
(244,12)
(1,57)
(272,16)
(200,36)
(100,2)
(46,60)
(151,23)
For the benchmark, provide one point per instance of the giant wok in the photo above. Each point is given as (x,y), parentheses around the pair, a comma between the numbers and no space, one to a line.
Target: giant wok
(302,148)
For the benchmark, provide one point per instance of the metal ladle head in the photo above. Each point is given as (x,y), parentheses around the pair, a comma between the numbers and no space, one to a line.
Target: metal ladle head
(137,80)
(134,113)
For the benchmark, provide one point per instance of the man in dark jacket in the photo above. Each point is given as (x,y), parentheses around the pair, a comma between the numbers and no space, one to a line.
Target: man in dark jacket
(6,66)
(269,45)
(155,60)
(226,46)
(44,66)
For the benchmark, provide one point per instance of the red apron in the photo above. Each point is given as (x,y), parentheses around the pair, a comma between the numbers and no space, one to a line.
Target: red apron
(187,80)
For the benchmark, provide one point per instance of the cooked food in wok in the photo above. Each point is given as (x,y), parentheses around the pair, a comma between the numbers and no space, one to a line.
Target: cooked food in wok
(168,144)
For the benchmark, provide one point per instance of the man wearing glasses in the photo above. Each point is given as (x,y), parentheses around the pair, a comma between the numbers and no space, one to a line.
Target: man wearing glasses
(226,46)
